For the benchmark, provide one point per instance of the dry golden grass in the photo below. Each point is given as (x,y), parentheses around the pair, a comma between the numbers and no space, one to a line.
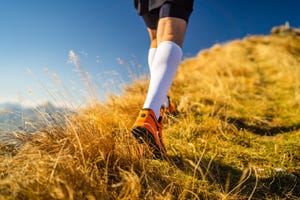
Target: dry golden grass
(236,135)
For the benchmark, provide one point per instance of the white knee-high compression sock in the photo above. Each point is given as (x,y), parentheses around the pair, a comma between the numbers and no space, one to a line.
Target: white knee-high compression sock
(163,69)
(151,56)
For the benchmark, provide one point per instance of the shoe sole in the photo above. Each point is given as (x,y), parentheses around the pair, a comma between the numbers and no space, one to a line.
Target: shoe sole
(143,136)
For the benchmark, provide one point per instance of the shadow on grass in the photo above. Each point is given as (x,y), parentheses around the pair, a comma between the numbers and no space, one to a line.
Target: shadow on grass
(263,129)
(242,184)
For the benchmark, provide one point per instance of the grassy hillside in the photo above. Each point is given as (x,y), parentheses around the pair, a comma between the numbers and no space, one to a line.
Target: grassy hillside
(236,135)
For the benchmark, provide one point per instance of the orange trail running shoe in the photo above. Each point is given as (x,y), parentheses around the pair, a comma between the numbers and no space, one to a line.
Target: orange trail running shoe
(148,130)
(171,106)
(171,109)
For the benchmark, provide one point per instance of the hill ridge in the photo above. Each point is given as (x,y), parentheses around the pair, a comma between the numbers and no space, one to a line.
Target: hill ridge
(236,135)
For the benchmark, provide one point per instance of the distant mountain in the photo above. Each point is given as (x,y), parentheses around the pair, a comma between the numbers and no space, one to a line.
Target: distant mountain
(14,116)
(9,105)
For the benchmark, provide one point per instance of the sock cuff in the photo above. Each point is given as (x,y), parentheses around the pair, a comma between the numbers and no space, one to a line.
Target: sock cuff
(152,49)
(173,44)
(172,48)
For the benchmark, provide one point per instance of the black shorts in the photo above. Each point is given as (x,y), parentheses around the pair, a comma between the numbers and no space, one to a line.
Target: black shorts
(153,10)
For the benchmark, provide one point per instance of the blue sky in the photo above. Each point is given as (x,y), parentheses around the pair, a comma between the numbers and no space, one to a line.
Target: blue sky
(36,37)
